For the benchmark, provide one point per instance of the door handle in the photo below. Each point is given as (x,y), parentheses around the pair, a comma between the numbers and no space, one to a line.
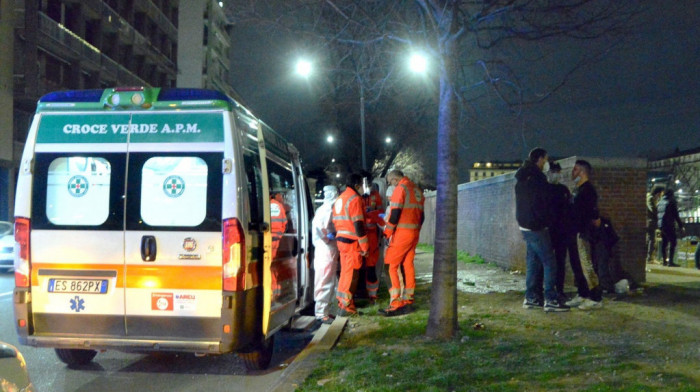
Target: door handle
(148,248)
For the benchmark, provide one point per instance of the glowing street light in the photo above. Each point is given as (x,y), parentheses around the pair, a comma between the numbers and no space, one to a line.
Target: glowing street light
(329,139)
(303,68)
(388,140)
(418,63)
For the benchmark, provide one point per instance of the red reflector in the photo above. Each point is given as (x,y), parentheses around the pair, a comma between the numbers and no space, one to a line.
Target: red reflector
(128,88)
(227,328)
(22,323)
(23,265)
(233,255)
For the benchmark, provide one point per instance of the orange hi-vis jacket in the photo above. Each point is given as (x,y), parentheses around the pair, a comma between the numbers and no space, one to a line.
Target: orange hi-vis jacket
(278,218)
(407,198)
(375,201)
(348,214)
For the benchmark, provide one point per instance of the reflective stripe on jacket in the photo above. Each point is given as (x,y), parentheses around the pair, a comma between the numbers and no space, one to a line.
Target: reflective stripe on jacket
(347,210)
(409,198)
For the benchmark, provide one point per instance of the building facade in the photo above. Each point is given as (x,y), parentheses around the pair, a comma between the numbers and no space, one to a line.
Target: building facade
(204,42)
(481,170)
(52,45)
(680,171)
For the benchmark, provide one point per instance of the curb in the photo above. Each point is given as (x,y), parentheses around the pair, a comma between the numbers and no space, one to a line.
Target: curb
(324,339)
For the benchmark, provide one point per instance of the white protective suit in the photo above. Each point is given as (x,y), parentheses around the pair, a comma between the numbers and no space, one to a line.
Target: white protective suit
(326,253)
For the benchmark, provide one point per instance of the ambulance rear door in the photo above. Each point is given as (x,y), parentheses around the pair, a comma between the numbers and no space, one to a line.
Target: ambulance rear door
(77,218)
(173,223)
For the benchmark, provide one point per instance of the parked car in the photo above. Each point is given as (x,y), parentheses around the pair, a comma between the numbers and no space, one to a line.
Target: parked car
(13,370)
(7,246)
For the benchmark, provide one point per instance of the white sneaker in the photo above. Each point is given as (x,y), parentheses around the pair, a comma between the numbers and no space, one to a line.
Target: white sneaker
(588,304)
(576,301)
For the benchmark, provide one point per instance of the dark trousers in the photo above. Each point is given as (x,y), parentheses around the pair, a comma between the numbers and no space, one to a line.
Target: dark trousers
(562,246)
(668,240)
(651,243)
(602,263)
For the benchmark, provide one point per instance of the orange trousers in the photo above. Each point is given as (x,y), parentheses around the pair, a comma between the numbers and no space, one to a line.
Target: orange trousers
(371,260)
(400,253)
(350,263)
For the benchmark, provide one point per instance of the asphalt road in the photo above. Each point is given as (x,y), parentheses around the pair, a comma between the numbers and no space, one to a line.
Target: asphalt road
(116,371)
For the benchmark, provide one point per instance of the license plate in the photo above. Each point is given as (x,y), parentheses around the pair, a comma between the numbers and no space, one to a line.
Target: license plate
(85,286)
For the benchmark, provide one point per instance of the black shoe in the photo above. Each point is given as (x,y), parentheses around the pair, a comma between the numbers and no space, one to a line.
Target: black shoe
(406,309)
(673,265)
(555,306)
(532,303)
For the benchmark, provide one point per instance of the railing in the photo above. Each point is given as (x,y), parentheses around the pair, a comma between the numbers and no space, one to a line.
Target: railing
(79,47)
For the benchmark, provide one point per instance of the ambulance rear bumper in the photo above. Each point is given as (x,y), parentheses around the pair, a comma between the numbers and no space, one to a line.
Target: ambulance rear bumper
(126,345)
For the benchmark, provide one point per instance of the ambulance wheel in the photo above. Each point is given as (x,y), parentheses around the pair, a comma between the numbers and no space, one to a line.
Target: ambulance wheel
(258,356)
(73,357)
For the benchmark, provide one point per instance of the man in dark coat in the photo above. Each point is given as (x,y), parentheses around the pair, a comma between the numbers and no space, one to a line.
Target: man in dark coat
(563,234)
(533,214)
(667,219)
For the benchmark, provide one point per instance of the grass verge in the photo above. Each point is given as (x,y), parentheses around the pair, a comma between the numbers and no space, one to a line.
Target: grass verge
(646,342)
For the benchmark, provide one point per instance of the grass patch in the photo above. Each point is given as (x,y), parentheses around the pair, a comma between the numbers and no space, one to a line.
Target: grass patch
(462,256)
(633,344)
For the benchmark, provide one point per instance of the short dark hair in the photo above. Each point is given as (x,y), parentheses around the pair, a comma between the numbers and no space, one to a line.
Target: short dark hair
(353,180)
(554,167)
(656,190)
(585,165)
(536,154)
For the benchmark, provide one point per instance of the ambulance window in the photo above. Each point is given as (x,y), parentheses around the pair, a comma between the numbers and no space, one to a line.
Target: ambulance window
(281,181)
(174,191)
(252,168)
(77,191)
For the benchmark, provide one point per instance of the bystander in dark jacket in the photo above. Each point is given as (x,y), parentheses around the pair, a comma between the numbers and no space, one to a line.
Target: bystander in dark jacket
(667,218)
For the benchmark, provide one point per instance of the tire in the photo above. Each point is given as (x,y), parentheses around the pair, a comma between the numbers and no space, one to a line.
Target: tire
(259,356)
(74,357)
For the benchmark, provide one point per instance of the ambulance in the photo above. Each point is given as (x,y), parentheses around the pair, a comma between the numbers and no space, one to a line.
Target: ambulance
(143,224)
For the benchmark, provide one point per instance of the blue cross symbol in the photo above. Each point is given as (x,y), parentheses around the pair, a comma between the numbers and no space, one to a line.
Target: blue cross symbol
(77,304)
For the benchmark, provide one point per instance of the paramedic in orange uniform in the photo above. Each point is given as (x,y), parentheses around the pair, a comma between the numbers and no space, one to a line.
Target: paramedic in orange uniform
(349,222)
(373,208)
(278,220)
(402,230)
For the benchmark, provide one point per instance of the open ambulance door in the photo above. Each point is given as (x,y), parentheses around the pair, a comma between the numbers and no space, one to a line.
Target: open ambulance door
(279,296)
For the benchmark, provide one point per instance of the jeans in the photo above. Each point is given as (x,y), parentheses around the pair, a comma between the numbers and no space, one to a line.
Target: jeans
(563,245)
(540,262)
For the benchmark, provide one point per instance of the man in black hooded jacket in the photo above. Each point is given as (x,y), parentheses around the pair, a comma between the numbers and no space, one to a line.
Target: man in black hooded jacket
(532,211)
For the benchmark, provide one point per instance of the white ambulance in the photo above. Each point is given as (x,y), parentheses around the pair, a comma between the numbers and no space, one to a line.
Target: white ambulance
(142,223)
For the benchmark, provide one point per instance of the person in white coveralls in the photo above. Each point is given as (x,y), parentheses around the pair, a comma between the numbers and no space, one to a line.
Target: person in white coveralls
(325,256)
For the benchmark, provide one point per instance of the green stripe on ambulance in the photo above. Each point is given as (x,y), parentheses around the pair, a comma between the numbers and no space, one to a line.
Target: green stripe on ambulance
(182,127)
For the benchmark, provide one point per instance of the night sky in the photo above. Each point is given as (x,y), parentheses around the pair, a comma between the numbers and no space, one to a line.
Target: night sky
(641,100)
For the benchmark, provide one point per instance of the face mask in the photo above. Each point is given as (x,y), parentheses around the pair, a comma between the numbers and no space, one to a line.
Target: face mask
(546,167)
(577,179)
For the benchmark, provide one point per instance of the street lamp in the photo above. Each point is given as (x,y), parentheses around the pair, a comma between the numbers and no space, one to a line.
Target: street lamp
(418,63)
(387,140)
(329,139)
(303,68)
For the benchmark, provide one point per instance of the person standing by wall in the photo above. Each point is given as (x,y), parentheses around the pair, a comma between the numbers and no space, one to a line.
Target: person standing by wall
(563,234)
(532,211)
(325,254)
(402,230)
(587,220)
(667,219)
(652,218)
(349,221)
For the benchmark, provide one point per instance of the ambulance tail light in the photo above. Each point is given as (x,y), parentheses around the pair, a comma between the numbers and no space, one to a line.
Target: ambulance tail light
(22,253)
(234,252)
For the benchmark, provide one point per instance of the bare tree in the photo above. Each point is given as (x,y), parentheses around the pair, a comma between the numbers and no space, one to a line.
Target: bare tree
(490,53)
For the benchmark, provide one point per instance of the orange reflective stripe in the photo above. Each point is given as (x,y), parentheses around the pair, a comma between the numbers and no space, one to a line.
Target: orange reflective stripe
(137,276)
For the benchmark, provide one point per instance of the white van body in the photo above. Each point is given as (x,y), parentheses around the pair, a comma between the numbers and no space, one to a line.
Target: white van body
(142,223)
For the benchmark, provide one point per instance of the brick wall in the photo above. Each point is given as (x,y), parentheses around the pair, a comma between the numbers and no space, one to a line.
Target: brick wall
(486,213)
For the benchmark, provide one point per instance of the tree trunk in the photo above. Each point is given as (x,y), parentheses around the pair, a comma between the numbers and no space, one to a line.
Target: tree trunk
(442,321)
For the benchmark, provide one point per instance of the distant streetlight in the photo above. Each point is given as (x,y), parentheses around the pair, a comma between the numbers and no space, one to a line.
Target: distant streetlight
(329,139)
(678,181)
(337,175)
(303,68)
(387,140)
(418,63)
(333,160)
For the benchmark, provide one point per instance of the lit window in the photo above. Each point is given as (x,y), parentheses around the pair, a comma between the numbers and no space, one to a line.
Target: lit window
(77,191)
